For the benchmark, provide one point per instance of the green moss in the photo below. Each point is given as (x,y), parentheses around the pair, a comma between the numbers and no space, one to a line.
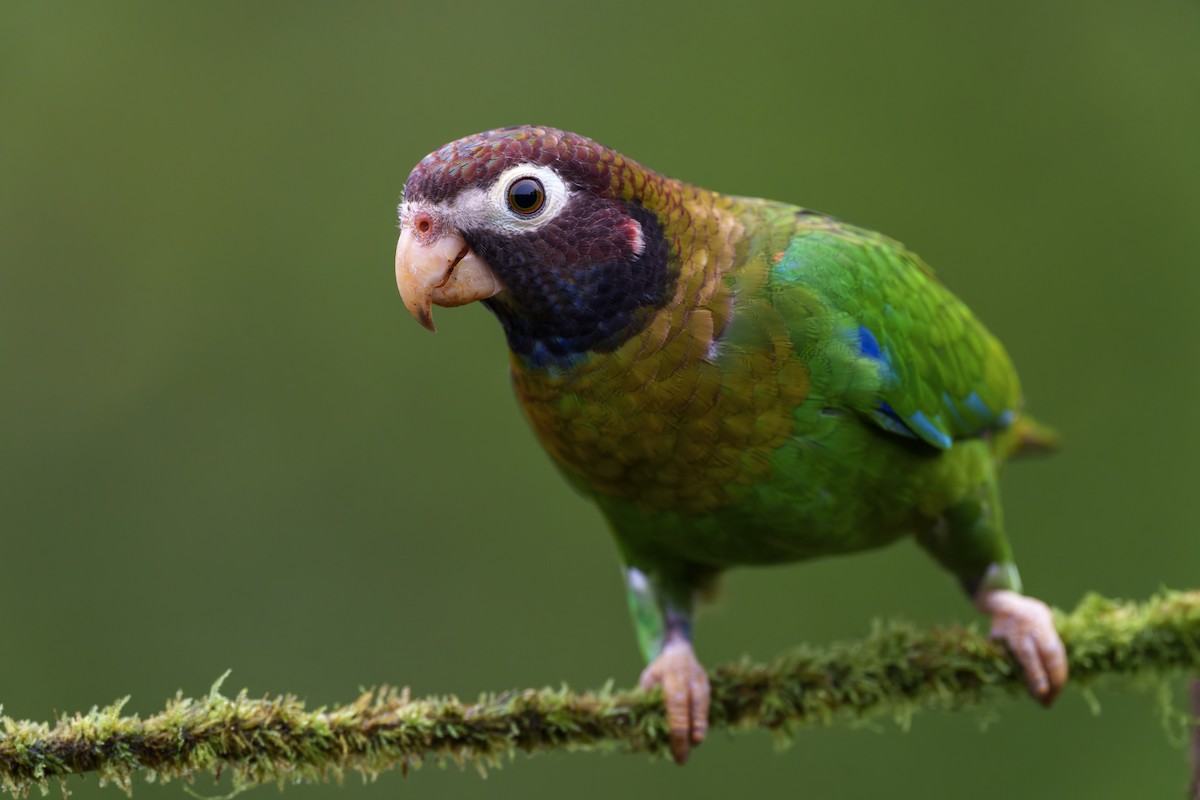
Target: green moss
(894,672)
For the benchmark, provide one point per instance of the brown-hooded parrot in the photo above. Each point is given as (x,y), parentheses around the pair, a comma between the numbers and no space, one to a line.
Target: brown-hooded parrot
(733,381)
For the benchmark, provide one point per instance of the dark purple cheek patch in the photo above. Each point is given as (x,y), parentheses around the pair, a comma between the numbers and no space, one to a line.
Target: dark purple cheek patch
(577,283)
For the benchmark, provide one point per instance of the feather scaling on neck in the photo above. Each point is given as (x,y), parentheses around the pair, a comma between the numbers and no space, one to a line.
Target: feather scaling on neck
(652,420)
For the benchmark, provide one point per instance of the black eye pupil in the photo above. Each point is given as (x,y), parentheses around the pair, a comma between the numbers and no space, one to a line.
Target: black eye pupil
(526,196)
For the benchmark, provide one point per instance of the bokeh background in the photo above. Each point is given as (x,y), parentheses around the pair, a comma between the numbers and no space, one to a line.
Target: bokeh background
(224,444)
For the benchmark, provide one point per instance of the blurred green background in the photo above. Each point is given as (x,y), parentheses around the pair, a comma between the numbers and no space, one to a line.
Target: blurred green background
(225,444)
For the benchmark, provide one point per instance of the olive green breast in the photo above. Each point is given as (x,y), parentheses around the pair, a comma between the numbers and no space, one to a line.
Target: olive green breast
(686,414)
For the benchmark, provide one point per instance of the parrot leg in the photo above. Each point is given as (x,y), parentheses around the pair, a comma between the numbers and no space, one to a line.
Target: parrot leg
(663,621)
(1027,627)
(969,540)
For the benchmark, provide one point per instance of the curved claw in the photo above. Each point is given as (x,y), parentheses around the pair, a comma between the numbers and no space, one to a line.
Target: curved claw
(686,695)
(1026,625)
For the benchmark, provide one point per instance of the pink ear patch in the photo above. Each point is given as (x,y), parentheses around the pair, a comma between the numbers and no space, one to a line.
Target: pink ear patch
(637,242)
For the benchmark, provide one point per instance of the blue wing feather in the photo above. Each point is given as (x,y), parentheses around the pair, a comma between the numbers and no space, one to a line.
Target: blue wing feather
(942,376)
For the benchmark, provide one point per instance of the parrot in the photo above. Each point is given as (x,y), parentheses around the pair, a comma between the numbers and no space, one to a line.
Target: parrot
(733,381)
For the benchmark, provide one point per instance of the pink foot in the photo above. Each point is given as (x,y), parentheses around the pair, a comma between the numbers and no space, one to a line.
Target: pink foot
(685,694)
(1027,627)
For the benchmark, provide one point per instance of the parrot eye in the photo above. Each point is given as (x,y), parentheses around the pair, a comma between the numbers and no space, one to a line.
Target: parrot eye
(526,196)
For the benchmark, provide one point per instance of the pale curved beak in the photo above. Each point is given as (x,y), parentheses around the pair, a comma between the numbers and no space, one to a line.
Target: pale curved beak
(445,272)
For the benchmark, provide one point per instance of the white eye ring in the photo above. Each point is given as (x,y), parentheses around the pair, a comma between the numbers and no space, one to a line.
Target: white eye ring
(488,208)
(554,196)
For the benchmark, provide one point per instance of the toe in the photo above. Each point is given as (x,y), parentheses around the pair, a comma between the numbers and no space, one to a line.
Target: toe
(1025,648)
(701,696)
(678,701)
(1054,660)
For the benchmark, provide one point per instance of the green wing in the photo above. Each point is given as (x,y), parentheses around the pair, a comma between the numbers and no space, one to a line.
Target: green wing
(941,375)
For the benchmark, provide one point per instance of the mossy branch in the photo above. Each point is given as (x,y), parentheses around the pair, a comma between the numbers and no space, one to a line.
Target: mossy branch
(894,671)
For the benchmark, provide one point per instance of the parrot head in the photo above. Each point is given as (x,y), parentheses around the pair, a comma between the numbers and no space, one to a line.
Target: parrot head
(552,231)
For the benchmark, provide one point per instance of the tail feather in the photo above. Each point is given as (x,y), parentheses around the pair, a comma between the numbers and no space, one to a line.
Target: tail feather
(1027,436)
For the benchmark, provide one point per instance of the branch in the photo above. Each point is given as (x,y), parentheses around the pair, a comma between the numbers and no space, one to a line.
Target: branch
(895,671)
